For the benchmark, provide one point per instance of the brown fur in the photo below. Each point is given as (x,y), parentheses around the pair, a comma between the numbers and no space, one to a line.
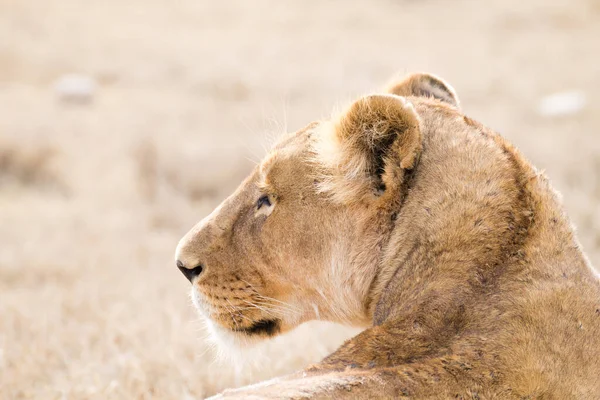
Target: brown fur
(409,218)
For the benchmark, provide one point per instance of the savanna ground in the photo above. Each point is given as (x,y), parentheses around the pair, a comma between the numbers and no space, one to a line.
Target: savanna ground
(94,196)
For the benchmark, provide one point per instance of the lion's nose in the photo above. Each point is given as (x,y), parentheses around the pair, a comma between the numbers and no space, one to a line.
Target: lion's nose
(190,273)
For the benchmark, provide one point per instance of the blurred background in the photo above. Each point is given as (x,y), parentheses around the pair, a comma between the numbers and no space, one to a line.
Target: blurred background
(123,123)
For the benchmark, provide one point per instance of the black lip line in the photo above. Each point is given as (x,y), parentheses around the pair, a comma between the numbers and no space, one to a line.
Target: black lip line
(267,326)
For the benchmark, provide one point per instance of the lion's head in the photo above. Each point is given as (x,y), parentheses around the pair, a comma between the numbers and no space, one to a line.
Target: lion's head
(302,236)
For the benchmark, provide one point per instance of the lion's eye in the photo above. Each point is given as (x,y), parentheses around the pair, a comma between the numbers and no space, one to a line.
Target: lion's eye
(263,201)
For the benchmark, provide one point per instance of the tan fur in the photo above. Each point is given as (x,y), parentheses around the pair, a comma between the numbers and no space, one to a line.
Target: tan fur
(406,217)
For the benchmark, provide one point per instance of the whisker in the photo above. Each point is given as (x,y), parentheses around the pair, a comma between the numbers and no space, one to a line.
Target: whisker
(253,161)
(229,310)
(291,306)
(275,307)
(268,297)
(281,307)
(260,308)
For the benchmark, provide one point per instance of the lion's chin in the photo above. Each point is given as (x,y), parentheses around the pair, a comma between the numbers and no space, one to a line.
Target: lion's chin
(237,336)
(237,346)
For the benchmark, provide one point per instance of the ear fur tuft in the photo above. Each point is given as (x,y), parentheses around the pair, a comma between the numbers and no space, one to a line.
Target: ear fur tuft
(366,150)
(425,85)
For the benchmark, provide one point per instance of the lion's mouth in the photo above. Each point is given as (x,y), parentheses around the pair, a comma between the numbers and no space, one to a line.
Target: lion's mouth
(260,327)
(267,327)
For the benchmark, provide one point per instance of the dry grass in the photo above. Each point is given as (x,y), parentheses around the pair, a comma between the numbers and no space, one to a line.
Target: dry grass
(28,166)
(94,196)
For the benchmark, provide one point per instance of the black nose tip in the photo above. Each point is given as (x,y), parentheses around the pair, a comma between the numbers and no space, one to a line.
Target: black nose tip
(190,274)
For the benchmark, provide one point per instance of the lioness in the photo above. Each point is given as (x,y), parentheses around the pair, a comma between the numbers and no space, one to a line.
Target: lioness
(406,217)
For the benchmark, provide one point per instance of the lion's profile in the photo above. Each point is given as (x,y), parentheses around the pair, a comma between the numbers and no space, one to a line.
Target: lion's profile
(406,217)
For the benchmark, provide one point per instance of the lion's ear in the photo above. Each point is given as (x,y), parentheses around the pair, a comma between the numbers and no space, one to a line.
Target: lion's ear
(425,85)
(370,147)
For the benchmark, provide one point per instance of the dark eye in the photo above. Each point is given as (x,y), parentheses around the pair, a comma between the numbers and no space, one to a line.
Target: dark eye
(263,201)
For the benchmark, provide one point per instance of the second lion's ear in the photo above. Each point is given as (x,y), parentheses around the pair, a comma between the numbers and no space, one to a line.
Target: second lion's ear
(424,85)
(369,147)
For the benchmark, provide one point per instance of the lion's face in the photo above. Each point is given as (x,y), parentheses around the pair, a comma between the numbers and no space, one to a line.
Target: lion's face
(258,262)
(302,236)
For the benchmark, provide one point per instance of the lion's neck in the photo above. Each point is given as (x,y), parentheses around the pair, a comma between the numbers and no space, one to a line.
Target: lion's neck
(342,293)
(488,224)
(478,218)
(340,296)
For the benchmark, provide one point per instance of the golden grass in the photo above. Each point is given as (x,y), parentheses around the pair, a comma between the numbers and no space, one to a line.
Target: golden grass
(27,165)
(95,196)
